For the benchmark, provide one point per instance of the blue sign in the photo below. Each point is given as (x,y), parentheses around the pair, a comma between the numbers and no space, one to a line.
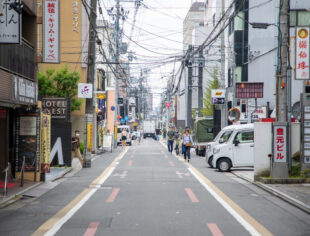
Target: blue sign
(112,108)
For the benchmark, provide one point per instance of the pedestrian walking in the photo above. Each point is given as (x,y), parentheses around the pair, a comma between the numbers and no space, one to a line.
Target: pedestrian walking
(124,137)
(138,136)
(187,142)
(170,136)
(76,147)
(176,138)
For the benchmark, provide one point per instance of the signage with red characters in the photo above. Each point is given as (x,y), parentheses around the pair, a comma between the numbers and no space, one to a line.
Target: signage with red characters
(51,31)
(279,143)
(302,53)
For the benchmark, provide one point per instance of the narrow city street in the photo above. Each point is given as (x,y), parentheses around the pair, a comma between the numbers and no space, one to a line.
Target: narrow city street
(144,190)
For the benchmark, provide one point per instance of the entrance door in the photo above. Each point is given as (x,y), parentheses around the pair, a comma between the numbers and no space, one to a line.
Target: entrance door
(244,151)
(3,142)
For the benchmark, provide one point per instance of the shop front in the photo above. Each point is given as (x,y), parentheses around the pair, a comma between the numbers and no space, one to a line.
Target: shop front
(18,132)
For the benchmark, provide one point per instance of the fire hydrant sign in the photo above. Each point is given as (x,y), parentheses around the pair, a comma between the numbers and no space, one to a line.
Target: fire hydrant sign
(85,90)
(302,53)
(51,31)
(279,143)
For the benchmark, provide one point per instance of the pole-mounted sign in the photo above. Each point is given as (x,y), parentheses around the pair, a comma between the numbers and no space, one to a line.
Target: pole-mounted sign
(218,96)
(85,90)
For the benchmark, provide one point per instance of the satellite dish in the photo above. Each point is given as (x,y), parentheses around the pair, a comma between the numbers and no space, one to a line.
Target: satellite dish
(296,110)
(233,114)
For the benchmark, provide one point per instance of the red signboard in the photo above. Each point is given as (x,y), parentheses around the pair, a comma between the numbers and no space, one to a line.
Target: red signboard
(168,104)
(279,143)
(249,90)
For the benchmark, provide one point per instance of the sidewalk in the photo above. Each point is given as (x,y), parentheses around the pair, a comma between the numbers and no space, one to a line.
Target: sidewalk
(295,194)
(16,192)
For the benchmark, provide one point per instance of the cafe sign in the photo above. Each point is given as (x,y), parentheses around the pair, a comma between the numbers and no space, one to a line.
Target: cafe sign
(58,108)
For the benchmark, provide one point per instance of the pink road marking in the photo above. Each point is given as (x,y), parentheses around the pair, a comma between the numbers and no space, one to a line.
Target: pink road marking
(131,156)
(124,174)
(130,163)
(215,230)
(191,195)
(171,163)
(179,175)
(113,195)
(92,228)
(166,156)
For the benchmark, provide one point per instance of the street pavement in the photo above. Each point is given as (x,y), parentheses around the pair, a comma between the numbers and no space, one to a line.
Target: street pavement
(144,190)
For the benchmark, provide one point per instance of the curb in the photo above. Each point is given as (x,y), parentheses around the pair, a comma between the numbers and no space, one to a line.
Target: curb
(278,194)
(14,198)
(66,171)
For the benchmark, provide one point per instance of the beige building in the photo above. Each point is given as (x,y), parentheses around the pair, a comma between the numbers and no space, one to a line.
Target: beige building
(73,47)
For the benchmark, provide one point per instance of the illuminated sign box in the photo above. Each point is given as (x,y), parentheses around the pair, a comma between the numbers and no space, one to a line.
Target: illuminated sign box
(249,90)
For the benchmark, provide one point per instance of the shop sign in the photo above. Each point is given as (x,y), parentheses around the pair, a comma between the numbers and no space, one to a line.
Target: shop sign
(279,143)
(24,91)
(51,31)
(45,143)
(85,90)
(302,53)
(218,96)
(75,22)
(10,23)
(58,108)
(249,90)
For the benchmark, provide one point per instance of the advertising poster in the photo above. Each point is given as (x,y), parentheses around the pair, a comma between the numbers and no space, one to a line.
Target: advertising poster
(89,136)
(45,143)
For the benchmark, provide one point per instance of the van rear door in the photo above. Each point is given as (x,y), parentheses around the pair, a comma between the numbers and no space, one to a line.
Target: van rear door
(243,148)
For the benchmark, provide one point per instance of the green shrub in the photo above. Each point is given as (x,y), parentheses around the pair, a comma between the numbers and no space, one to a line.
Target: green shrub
(296,156)
(295,171)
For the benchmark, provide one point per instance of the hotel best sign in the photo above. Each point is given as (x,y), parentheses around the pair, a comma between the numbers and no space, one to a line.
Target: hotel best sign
(51,35)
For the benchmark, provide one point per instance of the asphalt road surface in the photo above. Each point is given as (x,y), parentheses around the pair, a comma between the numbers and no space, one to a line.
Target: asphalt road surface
(144,190)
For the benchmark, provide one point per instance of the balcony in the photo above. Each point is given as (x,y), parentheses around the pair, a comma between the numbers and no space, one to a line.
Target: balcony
(19,59)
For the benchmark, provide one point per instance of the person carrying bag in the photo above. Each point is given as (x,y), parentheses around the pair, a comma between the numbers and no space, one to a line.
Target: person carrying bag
(187,142)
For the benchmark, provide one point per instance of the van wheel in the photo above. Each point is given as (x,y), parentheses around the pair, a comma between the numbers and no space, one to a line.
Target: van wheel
(224,165)
(210,161)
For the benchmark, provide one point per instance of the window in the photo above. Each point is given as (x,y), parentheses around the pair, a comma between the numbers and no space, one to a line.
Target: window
(245,136)
(226,136)
(303,18)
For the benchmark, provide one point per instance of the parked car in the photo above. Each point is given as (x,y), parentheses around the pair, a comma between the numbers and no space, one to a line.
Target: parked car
(223,135)
(119,131)
(237,150)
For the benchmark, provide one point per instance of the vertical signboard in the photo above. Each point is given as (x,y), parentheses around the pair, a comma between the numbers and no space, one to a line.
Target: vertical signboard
(302,53)
(45,143)
(51,32)
(305,130)
(279,143)
(10,23)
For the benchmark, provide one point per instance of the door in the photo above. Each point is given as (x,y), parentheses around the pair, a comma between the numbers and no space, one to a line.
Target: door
(243,152)
(3,141)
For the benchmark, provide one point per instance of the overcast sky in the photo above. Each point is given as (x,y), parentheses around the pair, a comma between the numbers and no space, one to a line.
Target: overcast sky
(157,36)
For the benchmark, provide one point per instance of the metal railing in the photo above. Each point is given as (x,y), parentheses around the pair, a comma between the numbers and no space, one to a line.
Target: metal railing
(18,58)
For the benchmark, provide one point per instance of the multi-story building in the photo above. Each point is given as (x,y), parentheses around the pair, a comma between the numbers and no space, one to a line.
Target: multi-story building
(18,88)
(191,25)
(73,47)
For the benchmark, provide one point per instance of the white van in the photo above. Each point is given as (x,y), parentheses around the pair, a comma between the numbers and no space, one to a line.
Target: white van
(237,150)
(119,131)
(222,136)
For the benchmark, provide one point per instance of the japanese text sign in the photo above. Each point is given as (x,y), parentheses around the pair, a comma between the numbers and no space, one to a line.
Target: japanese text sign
(302,53)
(279,143)
(51,31)
(85,90)
(9,23)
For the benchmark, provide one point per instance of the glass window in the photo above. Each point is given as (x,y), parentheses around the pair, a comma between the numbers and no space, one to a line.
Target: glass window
(293,18)
(245,137)
(303,18)
(226,136)
(239,21)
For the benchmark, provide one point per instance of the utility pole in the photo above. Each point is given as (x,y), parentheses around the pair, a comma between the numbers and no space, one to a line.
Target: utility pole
(280,169)
(188,88)
(200,84)
(224,106)
(116,38)
(91,66)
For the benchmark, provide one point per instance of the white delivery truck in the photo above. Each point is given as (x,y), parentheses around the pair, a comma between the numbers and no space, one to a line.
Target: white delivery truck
(149,128)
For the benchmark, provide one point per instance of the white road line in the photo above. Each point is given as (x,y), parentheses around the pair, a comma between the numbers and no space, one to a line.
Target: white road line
(70,213)
(239,218)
